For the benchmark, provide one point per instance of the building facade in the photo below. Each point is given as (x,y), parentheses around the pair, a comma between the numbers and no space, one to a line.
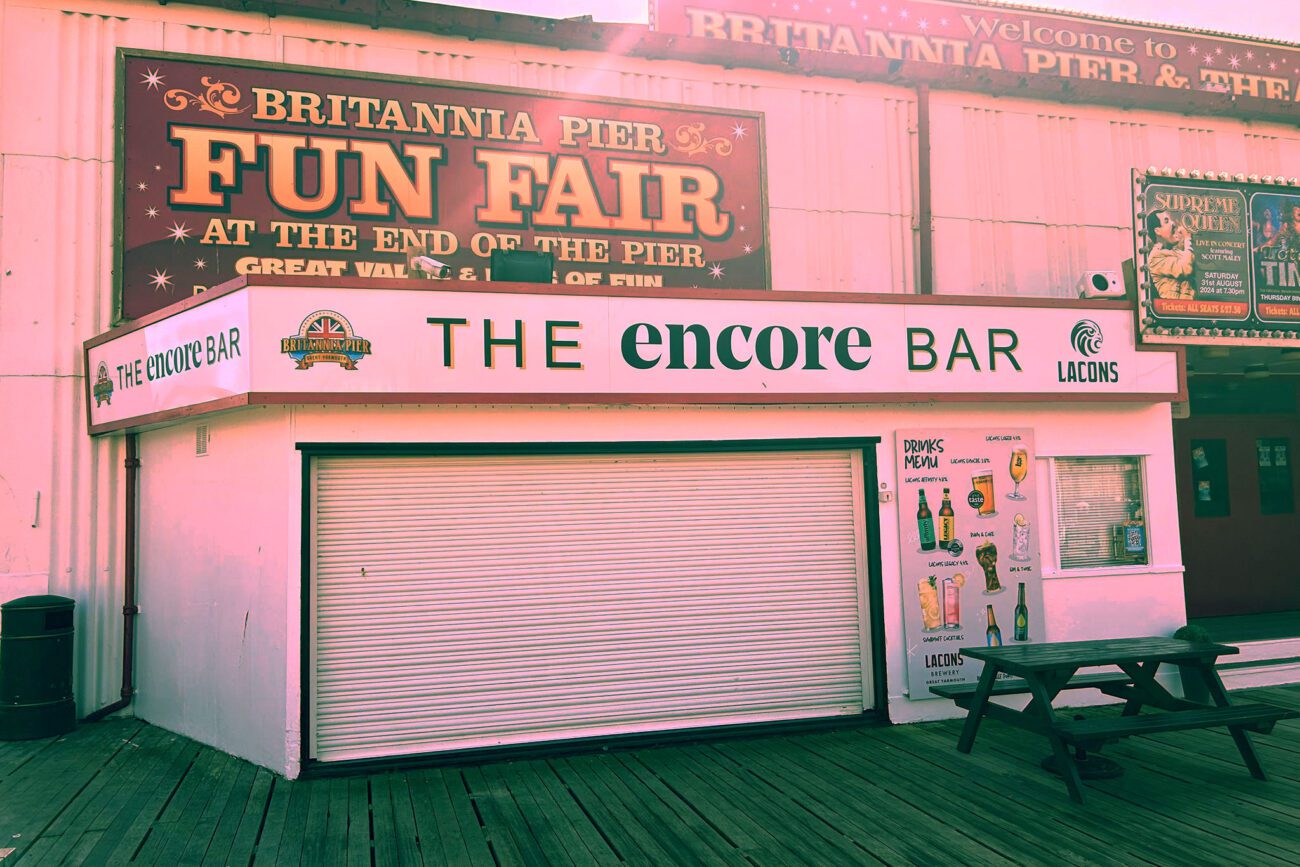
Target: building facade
(554,607)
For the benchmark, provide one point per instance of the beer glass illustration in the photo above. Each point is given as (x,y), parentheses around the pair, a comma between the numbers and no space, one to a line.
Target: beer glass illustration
(931,616)
(987,556)
(1019,468)
(982,481)
(1020,538)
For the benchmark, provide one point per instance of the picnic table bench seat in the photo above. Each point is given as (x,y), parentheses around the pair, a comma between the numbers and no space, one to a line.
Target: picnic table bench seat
(1255,717)
(1017,686)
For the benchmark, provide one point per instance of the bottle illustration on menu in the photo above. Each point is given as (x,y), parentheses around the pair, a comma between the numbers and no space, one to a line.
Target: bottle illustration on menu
(947,521)
(992,635)
(1019,468)
(925,524)
(1021,616)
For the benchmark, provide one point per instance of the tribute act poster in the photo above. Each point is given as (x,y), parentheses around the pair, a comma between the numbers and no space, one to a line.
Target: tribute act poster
(1218,259)
(229,169)
(989,36)
(968,537)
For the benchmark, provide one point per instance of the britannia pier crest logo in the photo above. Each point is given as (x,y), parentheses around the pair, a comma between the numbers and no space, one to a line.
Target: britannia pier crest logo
(325,337)
(103,387)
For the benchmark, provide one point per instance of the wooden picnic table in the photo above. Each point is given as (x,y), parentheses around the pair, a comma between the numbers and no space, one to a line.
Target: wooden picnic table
(1043,670)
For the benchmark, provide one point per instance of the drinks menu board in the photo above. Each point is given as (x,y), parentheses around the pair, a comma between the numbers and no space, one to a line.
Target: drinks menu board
(968,531)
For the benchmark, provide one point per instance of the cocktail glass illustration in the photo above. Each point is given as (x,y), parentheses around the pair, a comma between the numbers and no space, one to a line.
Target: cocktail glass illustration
(931,616)
(952,601)
(1020,538)
(987,556)
(1019,468)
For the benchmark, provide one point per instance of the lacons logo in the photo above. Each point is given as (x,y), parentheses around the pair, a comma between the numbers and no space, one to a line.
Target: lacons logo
(325,336)
(1086,338)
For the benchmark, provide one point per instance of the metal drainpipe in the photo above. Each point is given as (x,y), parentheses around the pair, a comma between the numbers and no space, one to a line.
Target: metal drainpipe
(925,213)
(129,609)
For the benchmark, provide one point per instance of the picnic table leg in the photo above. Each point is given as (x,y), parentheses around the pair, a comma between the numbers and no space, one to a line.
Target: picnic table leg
(978,702)
(1041,706)
(1219,696)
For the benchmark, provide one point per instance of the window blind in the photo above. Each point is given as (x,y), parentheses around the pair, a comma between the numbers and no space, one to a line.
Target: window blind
(1093,497)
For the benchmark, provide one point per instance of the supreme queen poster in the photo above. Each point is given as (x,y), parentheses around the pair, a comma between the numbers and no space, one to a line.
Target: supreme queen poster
(968,536)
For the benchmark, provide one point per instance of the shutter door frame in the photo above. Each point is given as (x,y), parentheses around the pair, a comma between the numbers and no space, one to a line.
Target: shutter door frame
(865,542)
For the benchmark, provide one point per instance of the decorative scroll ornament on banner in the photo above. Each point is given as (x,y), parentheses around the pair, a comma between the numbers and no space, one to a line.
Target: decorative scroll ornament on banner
(220,98)
(691,141)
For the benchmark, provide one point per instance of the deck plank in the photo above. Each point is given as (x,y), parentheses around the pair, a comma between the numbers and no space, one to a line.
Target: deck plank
(122,792)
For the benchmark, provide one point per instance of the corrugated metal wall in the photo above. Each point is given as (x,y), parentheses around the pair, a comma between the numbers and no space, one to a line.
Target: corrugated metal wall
(1026,195)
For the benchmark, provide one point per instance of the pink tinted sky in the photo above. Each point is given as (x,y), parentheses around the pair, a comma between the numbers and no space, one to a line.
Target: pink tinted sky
(1273,19)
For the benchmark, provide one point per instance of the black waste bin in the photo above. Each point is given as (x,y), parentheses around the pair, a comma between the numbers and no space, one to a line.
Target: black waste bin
(36,668)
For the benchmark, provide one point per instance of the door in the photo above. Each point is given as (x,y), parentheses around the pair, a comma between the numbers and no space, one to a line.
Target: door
(463,602)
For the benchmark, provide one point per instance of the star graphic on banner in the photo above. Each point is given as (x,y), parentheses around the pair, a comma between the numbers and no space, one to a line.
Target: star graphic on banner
(1250,55)
(923,24)
(152,79)
(741,227)
(943,22)
(200,264)
(151,212)
(161,280)
(1209,60)
(1234,61)
(748,248)
(738,131)
(1272,66)
(884,8)
(903,13)
(178,232)
(1192,49)
(716,271)
(157,168)
(1218,49)
(142,186)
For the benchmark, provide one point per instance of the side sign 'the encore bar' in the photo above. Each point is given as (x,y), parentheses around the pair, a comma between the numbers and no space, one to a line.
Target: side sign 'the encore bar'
(290,344)
(238,169)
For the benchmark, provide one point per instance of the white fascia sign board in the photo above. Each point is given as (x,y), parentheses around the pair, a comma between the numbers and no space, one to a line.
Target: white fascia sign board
(307,344)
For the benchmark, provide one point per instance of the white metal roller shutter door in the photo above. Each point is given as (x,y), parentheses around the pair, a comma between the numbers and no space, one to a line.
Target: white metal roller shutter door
(465,602)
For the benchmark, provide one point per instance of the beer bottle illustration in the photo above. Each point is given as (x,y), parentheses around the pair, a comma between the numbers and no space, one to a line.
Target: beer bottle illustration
(1021,616)
(992,635)
(947,521)
(925,524)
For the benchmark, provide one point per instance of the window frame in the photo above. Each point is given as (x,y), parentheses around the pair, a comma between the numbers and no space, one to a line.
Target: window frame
(1058,570)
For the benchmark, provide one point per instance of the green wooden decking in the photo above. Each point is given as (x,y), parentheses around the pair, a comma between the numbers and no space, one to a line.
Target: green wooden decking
(123,791)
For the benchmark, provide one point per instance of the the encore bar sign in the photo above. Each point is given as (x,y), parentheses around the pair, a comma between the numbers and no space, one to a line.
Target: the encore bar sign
(987,36)
(233,169)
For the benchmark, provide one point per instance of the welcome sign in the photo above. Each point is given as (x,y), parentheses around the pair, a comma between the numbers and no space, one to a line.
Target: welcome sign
(989,36)
(233,169)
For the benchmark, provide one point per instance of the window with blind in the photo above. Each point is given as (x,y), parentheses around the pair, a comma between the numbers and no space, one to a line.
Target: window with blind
(1099,512)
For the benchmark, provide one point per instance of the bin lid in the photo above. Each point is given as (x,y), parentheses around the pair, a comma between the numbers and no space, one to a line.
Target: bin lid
(30,602)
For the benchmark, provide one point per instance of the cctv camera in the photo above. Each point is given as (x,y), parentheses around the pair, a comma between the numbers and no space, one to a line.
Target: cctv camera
(431,267)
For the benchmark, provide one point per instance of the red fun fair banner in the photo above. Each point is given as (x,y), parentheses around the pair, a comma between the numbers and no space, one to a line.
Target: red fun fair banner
(239,169)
